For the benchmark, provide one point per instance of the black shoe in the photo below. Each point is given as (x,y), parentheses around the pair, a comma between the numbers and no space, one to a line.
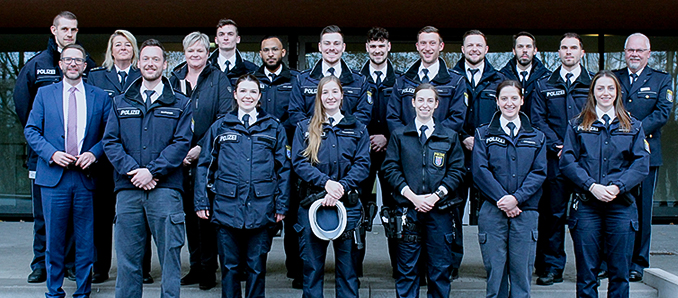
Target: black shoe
(635,276)
(193,277)
(37,276)
(98,278)
(70,274)
(208,281)
(298,283)
(549,279)
(602,274)
(455,274)
(148,279)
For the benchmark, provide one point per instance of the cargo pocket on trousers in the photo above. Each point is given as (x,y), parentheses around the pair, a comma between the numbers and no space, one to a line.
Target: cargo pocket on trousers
(634,225)
(176,230)
(535,235)
(482,238)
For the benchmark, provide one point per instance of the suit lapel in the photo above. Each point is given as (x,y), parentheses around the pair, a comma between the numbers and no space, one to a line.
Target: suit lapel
(59,102)
(640,81)
(89,100)
(113,77)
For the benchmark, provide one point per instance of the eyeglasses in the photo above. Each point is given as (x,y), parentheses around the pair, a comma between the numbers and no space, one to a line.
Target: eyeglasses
(639,51)
(68,60)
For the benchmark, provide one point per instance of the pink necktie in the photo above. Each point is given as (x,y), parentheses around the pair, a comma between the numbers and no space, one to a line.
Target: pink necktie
(72,128)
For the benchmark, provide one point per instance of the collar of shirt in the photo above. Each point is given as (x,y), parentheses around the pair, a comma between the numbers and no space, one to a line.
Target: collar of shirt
(337,118)
(383,72)
(431,126)
(81,107)
(575,73)
(637,72)
(222,62)
(276,73)
(158,91)
(478,74)
(432,70)
(611,113)
(253,115)
(125,70)
(337,69)
(529,72)
(503,122)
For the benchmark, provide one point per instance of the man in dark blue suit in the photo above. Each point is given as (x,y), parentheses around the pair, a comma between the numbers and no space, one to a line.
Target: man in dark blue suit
(65,128)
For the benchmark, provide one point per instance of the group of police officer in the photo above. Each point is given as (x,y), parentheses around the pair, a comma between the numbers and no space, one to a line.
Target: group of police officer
(378,95)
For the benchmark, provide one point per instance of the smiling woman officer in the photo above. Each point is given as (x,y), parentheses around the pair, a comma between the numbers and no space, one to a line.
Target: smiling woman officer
(424,192)
(331,155)
(509,167)
(250,194)
(606,157)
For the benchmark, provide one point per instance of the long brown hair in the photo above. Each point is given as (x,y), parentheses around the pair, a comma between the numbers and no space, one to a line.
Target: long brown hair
(315,128)
(588,114)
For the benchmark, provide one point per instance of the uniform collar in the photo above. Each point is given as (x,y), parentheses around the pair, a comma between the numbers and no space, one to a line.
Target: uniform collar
(337,69)
(432,70)
(253,115)
(611,113)
(337,118)
(504,122)
(575,73)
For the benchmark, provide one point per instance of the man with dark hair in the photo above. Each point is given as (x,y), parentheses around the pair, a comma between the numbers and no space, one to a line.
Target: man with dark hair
(381,76)
(65,128)
(556,101)
(277,81)
(227,57)
(42,70)
(525,68)
(147,138)
(356,99)
(648,95)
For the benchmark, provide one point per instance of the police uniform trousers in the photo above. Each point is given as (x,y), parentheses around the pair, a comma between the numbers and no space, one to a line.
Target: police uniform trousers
(508,246)
(314,250)
(201,234)
(68,201)
(290,237)
(641,248)
(595,226)
(253,246)
(553,217)
(434,231)
(161,209)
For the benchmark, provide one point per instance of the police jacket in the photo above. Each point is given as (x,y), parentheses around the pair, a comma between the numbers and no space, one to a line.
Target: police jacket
(537,73)
(157,139)
(379,96)
(211,97)
(424,168)
(509,166)
(109,80)
(452,91)
(41,70)
(355,100)
(247,169)
(481,103)
(344,156)
(275,95)
(607,156)
(554,105)
(241,66)
(649,100)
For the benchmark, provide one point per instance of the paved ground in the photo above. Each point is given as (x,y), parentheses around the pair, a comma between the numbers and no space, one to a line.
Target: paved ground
(15,257)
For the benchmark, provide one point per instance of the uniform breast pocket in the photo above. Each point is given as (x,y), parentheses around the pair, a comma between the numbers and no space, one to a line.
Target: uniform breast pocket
(167,117)
(437,154)
(647,96)
(445,91)
(262,155)
(622,141)
(348,144)
(351,98)
(387,92)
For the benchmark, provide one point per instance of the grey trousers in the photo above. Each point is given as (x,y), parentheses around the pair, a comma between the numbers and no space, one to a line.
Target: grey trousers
(508,246)
(162,209)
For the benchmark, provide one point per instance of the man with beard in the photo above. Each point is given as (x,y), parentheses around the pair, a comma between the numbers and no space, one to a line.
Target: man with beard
(648,96)
(42,70)
(556,101)
(276,89)
(227,57)
(65,128)
(147,138)
(481,85)
(525,68)
(381,76)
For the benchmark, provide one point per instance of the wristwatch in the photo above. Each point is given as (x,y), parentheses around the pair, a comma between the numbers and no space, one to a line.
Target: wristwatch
(440,193)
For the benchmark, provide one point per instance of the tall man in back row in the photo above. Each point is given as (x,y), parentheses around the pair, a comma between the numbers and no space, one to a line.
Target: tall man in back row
(227,57)
(647,94)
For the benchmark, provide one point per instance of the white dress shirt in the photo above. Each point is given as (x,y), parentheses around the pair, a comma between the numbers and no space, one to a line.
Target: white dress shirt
(158,91)
(478,75)
(117,70)
(337,118)
(81,106)
(326,67)
(253,115)
(504,122)
(222,62)
(432,70)
(575,73)
(527,76)
(383,73)
(611,113)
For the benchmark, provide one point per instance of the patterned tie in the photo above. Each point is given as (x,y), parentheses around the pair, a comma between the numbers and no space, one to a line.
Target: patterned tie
(512,128)
(378,73)
(634,77)
(228,66)
(72,125)
(568,81)
(425,78)
(246,121)
(123,77)
(331,71)
(148,93)
(422,136)
(473,72)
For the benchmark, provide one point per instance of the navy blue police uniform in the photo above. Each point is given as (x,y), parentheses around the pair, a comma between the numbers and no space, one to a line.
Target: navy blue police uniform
(555,103)
(355,102)
(451,92)
(649,99)
(608,156)
(211,98)
(247,194)
(379,94)
(537,73)
(345,158)
(505,165)
(104,202)
(424,168)
(41,70)
(241,66)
